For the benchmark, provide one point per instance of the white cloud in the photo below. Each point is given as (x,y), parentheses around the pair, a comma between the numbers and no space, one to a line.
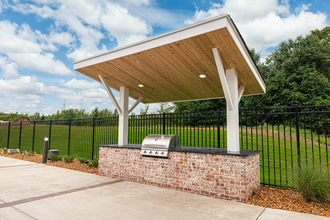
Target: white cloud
(29,105)
(123,26)
(26,47)
(23,86)
(88,18)
(135,2)
(265,24)
(80,84)
(8,108)
(9,69)
(43,62)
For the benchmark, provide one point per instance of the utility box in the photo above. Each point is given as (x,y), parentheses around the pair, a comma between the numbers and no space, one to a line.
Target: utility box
(51,152)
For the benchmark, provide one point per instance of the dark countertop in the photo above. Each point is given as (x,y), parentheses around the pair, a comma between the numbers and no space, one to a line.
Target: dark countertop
(200,150)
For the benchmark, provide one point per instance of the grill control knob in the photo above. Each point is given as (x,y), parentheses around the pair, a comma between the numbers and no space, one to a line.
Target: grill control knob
(162,153)
(150,152)
(156,152)
(145,152)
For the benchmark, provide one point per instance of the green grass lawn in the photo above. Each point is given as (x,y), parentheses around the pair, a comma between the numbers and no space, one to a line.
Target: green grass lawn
(278,157)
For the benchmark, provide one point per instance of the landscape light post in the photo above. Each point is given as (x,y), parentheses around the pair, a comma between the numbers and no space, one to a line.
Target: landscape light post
(44,154)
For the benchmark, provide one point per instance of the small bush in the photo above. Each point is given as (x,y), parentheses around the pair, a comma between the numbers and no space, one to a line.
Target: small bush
(95,163)
(81,159)
(23,153)
(31,153)
(313,185)
(68,159)
(55,157)
(5,150)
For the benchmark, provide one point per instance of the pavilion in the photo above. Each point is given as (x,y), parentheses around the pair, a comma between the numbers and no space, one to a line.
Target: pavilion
(206,60)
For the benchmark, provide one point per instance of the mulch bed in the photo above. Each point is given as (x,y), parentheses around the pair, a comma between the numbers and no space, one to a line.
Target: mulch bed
(37,158)
(288,200)
(266,196)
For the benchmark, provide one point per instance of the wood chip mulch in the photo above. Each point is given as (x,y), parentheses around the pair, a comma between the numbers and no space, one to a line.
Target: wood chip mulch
(288,200)
(37,158)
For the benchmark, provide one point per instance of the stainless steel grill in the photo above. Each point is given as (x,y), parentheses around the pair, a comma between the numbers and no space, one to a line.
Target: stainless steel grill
(157,145)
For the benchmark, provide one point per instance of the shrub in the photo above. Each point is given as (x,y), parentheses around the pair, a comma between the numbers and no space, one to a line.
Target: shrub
(31,153)
(313,185)
(5,150)
(81,159)
(68,159)
(95,163)
(23,153)
(55,157)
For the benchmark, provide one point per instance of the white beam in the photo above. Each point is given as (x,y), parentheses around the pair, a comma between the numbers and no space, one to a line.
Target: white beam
(107,88)
(135,104)
(123,118)
(223,79)
(240,92)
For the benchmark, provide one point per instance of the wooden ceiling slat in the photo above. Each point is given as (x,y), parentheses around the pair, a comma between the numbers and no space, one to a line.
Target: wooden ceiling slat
(161,58)
(224,50)
(108,72)
(171,72)
(239,61)
(190,62)
(151,71)
(183,71)
(144,78)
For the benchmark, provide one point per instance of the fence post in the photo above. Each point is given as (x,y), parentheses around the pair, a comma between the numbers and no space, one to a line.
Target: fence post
(34,132)
(218,127)
(20,135)
(69,137)
(93,138)
(298,138)
(50,133)
(164,115)
(8,135)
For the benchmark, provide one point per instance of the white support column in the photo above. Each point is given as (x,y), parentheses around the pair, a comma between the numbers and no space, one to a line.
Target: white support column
(123,118)
(232,115)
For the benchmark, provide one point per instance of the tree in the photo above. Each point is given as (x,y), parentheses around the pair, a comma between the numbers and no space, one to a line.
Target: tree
(323,35)
(145,110)
(297,73)
(165,108)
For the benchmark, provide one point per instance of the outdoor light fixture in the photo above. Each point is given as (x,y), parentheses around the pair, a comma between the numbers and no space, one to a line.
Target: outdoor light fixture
(202,76)
(140,85)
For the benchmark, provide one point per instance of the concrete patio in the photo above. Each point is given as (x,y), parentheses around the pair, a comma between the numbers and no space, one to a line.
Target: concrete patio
(35,191)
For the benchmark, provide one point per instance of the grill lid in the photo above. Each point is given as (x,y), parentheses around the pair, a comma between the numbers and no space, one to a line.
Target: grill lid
(158,145)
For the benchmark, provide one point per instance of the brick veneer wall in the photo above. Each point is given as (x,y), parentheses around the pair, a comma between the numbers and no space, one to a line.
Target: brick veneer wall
(222,176)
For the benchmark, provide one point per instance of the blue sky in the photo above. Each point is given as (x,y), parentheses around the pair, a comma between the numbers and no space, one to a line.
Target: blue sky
(40,39)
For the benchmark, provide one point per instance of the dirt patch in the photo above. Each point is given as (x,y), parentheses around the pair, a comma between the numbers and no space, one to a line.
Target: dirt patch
(288,200)
(37,158)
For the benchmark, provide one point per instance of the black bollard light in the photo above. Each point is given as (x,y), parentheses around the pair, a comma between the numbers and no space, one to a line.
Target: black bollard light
(44,155)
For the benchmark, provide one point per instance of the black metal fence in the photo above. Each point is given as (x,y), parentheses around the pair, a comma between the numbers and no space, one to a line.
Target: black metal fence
(288,137)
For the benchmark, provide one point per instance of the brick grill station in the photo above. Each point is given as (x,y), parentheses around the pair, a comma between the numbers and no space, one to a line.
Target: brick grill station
(210,172)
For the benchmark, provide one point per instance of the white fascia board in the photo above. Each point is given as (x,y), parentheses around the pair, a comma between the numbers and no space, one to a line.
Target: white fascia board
(199,28)
(245,53)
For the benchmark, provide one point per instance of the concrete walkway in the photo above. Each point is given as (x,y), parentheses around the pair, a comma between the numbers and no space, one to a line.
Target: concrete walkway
(35,191)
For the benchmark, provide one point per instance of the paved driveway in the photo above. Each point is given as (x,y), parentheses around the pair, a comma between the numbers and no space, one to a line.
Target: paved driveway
(35,191)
